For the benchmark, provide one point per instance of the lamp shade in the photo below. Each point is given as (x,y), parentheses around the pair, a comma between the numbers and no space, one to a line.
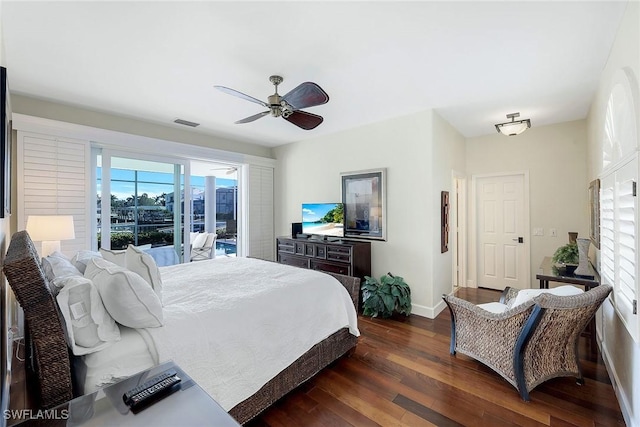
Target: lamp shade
(514,127)
(50,227)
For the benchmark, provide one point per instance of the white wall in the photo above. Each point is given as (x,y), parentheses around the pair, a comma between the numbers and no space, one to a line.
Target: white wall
(8,317)
(556,158)
(620,351)
(310,172)
(448,155)
(175,133)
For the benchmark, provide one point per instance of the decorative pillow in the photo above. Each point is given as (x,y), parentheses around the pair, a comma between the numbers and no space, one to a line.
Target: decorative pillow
(117,257)
(57,265)
(143,264)
(81,259)
(525,295)
(126,296)
(199,240)
(89,327)
(494,307)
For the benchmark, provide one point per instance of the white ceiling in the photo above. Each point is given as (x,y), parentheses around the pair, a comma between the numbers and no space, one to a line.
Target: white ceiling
(474,62)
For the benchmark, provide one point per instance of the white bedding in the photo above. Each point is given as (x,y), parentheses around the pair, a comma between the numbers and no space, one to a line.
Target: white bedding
(234,323)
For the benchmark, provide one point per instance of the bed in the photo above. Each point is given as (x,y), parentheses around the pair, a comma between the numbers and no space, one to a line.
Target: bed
(243,371)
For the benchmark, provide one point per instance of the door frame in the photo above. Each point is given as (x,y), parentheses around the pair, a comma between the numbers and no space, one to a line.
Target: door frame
(459,226)
(473,234)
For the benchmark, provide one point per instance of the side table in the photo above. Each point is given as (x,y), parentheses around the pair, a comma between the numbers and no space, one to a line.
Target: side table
(550,273)
(189,406)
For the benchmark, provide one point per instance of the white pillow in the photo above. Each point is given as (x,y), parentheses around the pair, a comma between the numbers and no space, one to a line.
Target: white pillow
(81,259)
(525,295)
(117,257)
(143,264)
(199,240)
(89,327)
(57,265)
(126,296)
(494,307)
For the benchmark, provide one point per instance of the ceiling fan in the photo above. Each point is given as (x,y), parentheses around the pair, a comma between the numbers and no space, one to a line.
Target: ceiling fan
(289,106)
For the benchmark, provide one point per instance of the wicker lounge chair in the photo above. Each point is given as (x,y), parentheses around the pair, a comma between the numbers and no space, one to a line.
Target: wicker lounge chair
(527,344)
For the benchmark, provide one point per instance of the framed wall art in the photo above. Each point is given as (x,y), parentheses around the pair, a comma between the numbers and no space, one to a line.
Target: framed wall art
(444,221)
(5,146)
(363,196)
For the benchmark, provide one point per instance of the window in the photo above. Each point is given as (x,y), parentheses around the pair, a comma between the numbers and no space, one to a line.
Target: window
(136,202)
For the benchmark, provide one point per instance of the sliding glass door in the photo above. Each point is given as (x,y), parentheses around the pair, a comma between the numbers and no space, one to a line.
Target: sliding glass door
(141,202)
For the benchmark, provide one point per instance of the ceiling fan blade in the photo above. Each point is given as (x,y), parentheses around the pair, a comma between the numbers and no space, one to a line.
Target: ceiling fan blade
(252,118)
(307,94)
(304,120)
(241,95)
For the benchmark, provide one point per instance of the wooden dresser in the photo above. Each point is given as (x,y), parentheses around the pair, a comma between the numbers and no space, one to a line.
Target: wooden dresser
(348,257)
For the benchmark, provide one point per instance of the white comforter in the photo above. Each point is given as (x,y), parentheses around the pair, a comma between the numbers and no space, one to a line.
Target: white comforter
(234,323)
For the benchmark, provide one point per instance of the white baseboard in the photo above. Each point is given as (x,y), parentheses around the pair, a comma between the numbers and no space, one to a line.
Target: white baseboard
(428,312)
(623,399)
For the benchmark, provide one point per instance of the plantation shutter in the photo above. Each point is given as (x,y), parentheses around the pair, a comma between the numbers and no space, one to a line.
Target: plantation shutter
(627,246)
(54,179)
(607,227)
(260,233)
(619,245)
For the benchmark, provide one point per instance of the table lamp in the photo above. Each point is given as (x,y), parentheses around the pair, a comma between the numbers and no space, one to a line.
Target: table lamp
(50,229)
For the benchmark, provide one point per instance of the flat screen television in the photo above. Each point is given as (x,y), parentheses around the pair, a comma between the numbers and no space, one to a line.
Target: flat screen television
(323,219)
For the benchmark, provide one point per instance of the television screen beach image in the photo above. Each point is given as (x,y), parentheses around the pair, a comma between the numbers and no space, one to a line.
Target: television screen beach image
(326,219)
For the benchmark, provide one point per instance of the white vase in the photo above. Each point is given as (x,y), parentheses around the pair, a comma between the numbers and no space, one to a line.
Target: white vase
(583,253)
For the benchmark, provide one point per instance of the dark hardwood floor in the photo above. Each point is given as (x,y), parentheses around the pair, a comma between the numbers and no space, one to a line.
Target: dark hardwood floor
(402,374)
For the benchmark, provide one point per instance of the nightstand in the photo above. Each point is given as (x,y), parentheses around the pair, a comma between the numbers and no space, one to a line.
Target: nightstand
(189,406)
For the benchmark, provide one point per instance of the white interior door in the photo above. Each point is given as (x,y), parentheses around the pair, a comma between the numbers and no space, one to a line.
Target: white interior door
(501,225)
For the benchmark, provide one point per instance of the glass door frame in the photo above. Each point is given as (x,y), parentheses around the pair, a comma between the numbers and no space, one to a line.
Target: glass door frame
(105,193)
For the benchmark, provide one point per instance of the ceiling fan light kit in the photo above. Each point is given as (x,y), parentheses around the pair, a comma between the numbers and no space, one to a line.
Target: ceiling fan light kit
(514,127)
(289,106)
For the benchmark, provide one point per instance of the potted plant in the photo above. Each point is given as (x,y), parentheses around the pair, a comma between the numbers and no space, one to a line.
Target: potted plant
(567,257)
(383,298)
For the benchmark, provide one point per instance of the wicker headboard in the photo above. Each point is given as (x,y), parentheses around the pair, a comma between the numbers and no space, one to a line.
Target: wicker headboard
(51,356)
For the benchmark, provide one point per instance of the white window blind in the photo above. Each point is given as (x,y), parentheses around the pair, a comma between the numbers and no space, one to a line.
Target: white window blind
(260,237)
(54,179)
(607,226)
(619,244)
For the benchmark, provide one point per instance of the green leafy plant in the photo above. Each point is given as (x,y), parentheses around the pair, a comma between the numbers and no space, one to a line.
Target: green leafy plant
(567,254)
(383,298)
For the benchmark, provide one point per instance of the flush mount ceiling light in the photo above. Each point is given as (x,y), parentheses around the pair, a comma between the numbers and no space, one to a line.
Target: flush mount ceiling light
(514,127)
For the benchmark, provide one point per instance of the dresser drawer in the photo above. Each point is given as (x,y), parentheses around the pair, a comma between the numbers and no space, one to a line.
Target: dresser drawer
(293,260)
(338,253)
(321,251)
(286,247)
(331,268)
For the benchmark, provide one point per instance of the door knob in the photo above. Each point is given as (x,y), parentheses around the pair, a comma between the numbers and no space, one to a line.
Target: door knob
(519,240)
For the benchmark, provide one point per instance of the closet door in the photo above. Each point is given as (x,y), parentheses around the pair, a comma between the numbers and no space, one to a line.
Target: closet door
(54,179)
